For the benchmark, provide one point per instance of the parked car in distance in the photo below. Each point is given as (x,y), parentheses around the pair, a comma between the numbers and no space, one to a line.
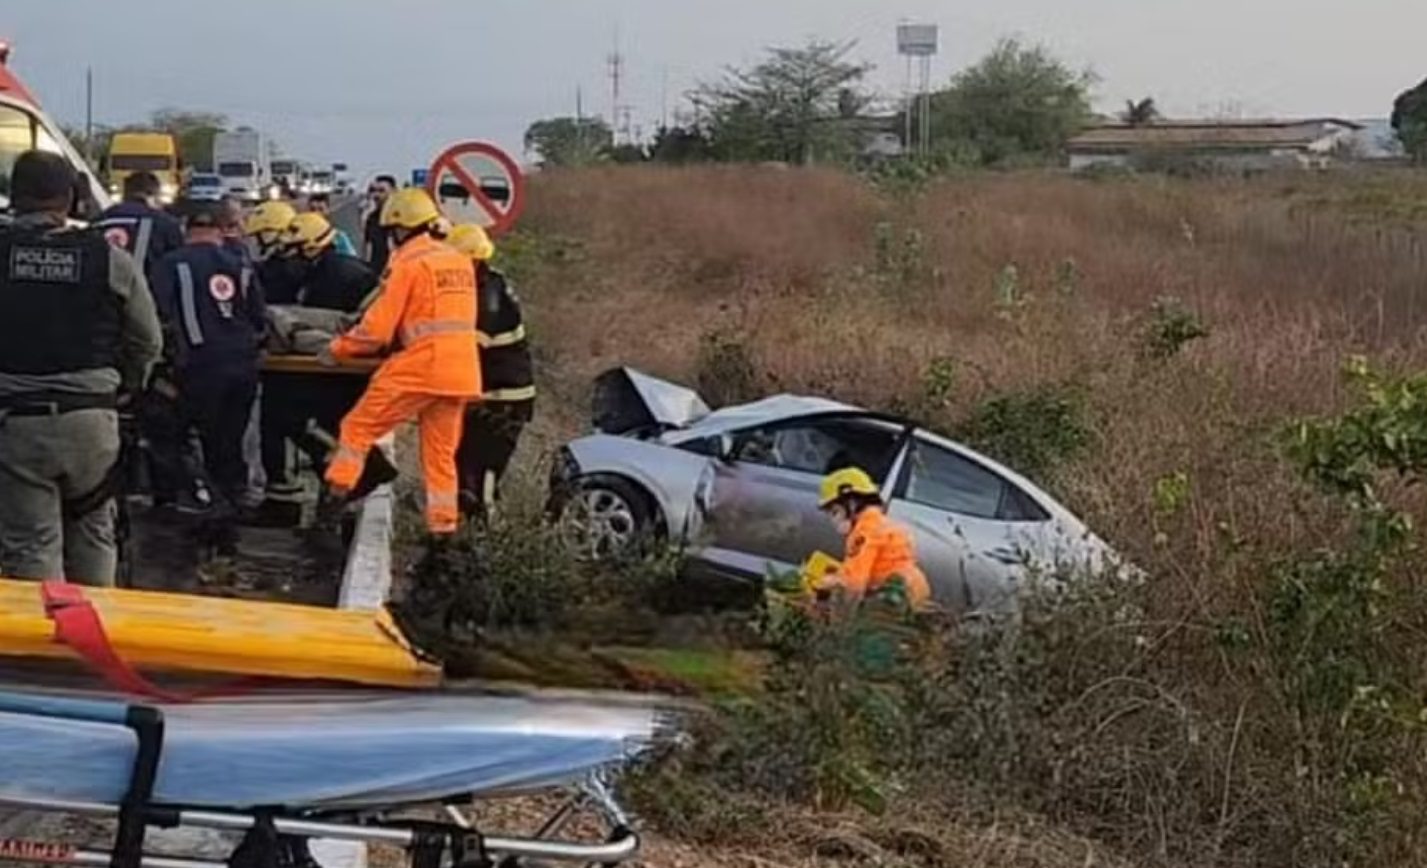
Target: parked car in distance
(205,187)
(739,488)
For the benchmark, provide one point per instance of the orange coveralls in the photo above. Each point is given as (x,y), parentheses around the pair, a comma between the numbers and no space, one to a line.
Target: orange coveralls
(878,551)
(426,311)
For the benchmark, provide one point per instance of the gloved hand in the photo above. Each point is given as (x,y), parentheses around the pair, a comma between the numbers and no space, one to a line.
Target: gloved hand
(325,357)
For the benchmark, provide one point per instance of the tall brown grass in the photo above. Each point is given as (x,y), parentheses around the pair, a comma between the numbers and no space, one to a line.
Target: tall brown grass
(1027,281)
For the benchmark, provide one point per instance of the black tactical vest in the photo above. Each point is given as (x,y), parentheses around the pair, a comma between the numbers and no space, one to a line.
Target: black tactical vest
(57,311)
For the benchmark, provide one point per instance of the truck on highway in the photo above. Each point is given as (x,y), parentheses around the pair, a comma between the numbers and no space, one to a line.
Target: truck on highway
(24,126)
(240,158)
(287,174)
(134,152)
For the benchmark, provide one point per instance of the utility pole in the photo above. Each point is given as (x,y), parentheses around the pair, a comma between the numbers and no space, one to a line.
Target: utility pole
(89,114)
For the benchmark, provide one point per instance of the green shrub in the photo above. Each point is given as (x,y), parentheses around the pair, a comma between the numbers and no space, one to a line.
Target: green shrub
(1034,431)
(1171,327)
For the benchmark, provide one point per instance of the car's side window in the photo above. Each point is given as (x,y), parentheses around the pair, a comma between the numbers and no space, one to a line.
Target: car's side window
(820,447)
(942,479)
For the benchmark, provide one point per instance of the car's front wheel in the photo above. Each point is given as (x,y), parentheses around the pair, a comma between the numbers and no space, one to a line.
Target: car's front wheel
(607,517)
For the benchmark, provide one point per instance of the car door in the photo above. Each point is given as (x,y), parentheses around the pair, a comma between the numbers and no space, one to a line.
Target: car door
(763,509)
(976,532)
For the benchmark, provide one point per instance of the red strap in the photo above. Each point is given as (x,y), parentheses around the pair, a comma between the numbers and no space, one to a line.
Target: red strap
(79,626)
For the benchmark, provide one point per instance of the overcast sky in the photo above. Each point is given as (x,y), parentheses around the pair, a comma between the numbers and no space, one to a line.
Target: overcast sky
(381,83)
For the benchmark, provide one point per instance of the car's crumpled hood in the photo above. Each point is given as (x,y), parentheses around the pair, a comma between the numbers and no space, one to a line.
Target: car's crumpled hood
(626,401)
(765,412)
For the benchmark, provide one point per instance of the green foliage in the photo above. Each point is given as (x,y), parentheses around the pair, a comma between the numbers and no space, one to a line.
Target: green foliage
(727,373)
(1333,615)
(569,141)
(788,107)
(1010,297)
(1067,277)
(194,131)
(1171,327)
(901,256)
(1017,102)
(1409,119)
(680,145)
(1034,431)
(1139,113)
(1171,493)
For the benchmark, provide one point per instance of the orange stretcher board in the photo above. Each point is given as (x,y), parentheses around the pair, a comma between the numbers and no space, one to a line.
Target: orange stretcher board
(311,365)
(156,631)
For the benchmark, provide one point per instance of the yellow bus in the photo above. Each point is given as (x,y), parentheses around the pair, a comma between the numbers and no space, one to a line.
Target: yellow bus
(145,152)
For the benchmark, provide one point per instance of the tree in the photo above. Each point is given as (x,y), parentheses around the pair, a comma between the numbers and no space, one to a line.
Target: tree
(790,107)
(1140,113)
(1017,102)
(194,131)
(681,144)
(569,141)
(1409,119)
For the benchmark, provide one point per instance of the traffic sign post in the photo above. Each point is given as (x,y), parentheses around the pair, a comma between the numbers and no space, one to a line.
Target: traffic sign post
(477,182)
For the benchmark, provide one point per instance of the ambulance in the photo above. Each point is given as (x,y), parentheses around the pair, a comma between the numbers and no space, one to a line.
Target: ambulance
(24,126)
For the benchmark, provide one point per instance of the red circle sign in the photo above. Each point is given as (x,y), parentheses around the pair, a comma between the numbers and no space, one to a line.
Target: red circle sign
(498,217)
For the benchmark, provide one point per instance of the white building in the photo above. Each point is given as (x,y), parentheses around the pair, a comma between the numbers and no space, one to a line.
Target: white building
(1231,145)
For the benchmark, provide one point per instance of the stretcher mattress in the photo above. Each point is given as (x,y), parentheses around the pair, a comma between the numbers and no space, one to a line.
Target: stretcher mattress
(179,632)
(354,752)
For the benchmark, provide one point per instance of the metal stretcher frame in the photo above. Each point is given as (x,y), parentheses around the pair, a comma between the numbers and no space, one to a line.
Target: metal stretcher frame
(452,844)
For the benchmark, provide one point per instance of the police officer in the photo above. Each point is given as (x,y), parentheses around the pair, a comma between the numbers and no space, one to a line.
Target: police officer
(280,276)
(214,322)
(77,332)
(138,225)
(494,424)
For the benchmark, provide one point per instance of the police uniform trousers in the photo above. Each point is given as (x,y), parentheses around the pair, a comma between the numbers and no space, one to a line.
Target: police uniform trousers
(49,464)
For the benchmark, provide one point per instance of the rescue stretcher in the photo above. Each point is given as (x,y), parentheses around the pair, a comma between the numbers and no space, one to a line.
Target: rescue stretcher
(285,770)
(290,757)
(296,364)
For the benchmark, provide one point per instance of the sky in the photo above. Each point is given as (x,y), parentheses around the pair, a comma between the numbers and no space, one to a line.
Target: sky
(386,85)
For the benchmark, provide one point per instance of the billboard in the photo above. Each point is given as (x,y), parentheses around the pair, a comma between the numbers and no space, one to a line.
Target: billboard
(917,40)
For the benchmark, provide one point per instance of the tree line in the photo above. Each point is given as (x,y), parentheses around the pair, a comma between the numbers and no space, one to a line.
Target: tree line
(1018,105)
(811,104)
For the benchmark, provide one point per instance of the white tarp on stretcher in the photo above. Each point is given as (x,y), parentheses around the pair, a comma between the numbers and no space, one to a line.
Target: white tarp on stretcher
(357,752)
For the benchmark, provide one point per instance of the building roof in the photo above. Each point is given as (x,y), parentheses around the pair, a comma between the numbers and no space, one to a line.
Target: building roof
(1209,135)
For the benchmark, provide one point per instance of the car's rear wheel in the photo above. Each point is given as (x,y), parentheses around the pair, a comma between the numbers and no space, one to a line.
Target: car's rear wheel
(606,517)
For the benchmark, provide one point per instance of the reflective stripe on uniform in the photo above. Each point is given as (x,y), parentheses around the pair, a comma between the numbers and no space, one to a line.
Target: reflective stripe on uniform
(440,500)
(414,332)
(141,246)
(320,434)
(504,339)
(246,281)
(348,454)
(526,393)
(188,305)
(488,491)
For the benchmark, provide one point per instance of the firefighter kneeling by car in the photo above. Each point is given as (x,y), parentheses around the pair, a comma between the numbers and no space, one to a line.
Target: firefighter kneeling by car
(880,556)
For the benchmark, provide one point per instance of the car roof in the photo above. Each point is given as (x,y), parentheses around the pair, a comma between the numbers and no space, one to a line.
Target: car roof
(778,408)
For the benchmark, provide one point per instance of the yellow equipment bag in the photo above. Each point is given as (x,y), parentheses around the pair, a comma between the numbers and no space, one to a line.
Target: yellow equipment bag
(156,631)
(816,568)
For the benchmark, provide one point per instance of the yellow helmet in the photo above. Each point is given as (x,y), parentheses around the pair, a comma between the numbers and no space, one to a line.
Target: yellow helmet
(310,233)
(472,240)
(409,208)
(849,480)
(268,221)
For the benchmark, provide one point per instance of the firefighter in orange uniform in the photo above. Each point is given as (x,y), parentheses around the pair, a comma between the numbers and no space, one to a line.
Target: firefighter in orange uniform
(424,316)
(879,552)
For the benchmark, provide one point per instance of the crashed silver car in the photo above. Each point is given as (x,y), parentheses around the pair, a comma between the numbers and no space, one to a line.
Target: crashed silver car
(739,488)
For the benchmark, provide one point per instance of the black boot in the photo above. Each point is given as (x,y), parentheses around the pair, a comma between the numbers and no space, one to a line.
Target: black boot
(376,472)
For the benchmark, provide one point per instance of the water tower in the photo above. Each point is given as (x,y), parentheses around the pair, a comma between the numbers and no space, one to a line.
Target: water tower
(918,43)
